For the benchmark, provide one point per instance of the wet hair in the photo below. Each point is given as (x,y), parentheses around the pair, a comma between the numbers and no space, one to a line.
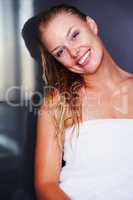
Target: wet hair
(64,85)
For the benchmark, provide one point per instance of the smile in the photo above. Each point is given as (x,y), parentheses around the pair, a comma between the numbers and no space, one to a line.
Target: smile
(84,58)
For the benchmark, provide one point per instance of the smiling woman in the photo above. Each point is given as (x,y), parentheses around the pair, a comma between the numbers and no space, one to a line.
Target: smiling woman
(86,88)
(71,44)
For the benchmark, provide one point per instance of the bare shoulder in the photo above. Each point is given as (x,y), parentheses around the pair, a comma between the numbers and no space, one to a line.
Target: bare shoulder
(129,83)
(50,101)
(128,80)
(127,91)
(47,114)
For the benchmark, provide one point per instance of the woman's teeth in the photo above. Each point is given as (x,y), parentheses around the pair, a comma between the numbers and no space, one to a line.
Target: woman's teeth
(83,59)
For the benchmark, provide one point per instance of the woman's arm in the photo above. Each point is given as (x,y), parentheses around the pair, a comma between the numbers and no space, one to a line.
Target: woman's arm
(48,160)
(51,191)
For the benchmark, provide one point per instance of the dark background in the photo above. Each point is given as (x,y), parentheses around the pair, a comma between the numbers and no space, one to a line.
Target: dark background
(20,81)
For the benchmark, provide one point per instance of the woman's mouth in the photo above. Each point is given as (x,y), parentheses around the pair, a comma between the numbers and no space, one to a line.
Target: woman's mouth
(85,58)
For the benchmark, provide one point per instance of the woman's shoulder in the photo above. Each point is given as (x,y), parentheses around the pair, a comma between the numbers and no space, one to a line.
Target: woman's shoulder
(128,82)
(52,103)
(126,91)
(127,79)
(50,100)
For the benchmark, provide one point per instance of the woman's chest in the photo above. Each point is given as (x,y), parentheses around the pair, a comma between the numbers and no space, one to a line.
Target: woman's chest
(115,104)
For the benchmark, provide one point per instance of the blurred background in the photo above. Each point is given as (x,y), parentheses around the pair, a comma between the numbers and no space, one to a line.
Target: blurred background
(21,85)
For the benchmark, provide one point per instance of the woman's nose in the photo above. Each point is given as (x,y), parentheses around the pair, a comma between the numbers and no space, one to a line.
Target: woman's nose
(74,52)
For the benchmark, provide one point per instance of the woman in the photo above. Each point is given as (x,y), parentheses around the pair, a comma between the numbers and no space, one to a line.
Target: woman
(88,89)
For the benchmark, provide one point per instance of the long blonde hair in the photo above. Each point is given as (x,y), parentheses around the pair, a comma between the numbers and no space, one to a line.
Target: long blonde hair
(62,82)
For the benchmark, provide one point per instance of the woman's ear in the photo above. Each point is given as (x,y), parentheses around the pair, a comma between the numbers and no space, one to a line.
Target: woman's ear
(92,25)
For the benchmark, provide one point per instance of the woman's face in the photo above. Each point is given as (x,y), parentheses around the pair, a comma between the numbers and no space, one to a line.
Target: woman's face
(73,42)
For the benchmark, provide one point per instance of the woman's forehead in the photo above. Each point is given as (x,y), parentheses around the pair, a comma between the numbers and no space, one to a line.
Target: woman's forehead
(56,30)
(62,20)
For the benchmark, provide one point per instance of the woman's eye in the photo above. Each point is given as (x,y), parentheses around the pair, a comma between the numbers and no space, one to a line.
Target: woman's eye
(60,52)
(75,34)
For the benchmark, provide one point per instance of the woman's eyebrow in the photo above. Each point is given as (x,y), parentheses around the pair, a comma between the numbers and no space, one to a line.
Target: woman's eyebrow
(55,48)
(68,32)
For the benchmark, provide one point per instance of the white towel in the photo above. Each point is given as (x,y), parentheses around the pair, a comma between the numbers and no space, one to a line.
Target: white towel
(99,163)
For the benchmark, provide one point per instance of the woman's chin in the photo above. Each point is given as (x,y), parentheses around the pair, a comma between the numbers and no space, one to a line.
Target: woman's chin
(89,69)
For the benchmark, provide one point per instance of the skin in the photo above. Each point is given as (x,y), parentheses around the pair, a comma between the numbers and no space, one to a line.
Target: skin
(104,79)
